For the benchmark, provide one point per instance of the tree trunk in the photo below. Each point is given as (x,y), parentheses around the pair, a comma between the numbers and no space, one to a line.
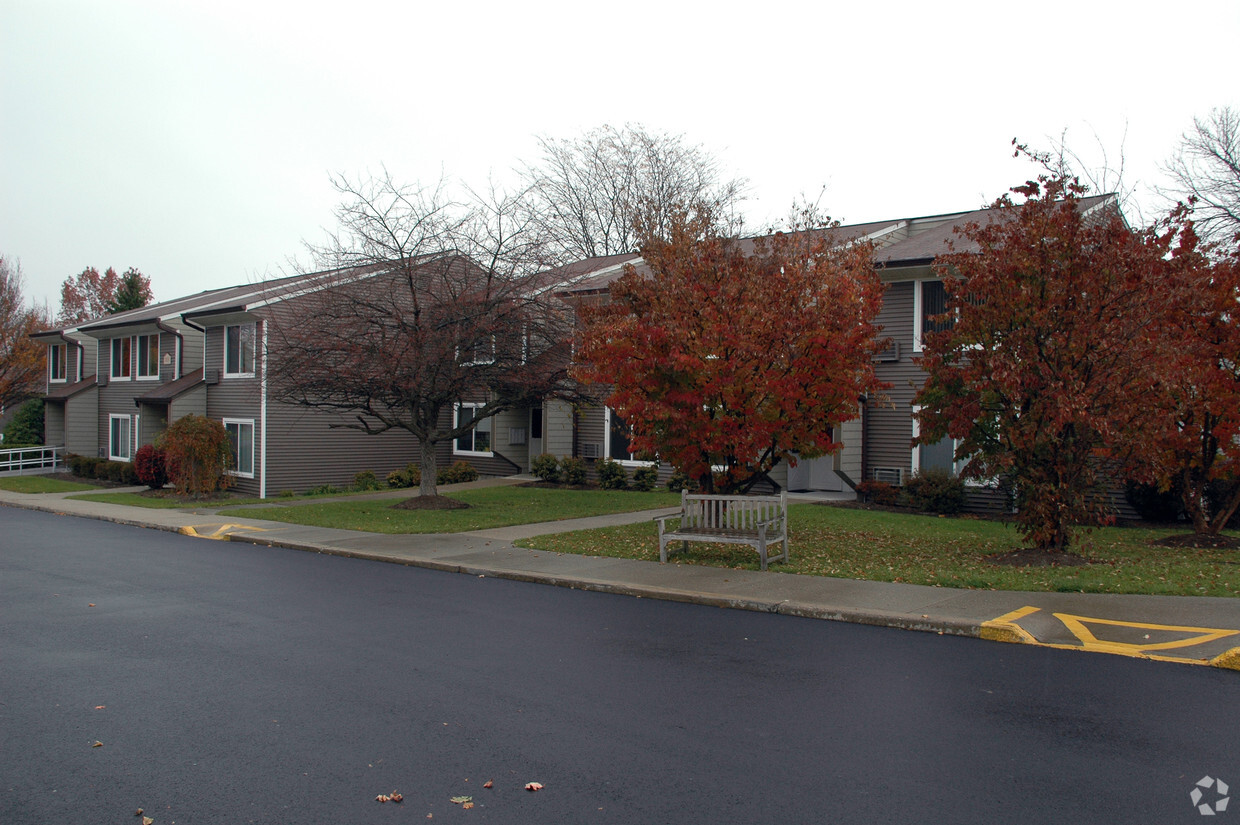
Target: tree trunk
(430,469)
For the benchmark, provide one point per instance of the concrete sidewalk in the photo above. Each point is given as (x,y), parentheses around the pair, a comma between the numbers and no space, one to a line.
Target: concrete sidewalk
(1187,629)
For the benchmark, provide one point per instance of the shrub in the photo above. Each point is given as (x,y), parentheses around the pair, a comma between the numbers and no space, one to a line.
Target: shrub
(936,491)
(99,469)
(87,465)
(458,473)
(411,476)
(25,429)
(546,468)
(879,492)
(323,490)
(681,481)
(74,462)
(574,471)
(645,478)
(150,466)
(366,480)
(286,494)
(611,476)
(198,453)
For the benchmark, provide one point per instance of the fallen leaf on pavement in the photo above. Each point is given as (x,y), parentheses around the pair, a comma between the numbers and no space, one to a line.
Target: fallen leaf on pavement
(533,786)
(100,707)
(146,820)
(467,805)
(395,797)
(138,812)
(457,800)
(488,784)
(382,798)
(97,744)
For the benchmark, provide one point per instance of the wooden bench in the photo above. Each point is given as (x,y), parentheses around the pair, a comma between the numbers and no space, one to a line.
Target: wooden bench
(758,521)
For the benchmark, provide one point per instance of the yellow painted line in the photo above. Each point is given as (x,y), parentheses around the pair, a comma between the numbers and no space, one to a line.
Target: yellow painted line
(1076,624)
(1005,629)
(221,531)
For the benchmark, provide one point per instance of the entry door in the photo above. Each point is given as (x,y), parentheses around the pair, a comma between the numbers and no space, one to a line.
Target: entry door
(536,432)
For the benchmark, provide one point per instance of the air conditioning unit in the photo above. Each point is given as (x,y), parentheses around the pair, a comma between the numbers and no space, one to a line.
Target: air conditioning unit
(591,450)
(892,353)
(888,475)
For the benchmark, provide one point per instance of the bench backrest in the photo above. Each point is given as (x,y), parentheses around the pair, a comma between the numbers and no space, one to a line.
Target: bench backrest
(717,512)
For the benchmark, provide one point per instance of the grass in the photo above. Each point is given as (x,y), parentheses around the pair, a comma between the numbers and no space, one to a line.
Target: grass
(896,547)
(41,484)
(163,502)
(489,507)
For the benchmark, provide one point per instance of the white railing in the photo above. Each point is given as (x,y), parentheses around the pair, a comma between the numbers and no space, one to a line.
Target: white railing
(21,460)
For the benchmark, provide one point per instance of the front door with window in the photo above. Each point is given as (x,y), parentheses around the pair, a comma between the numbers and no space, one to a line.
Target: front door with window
(536,432)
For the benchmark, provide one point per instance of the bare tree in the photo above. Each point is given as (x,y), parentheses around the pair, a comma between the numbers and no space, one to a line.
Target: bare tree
(21,359)
(433,300)
(586,193)
(1206,171)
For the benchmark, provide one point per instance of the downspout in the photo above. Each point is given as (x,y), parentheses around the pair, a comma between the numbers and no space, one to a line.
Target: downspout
(262,425)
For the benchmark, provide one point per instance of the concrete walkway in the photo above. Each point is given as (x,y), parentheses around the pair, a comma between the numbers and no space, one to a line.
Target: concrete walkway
(1187,629)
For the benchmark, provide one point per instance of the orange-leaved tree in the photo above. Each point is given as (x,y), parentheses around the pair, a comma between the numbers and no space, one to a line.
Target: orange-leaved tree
(1046,359)
(22,362)
(90,295)
(727,356)
(1196,445)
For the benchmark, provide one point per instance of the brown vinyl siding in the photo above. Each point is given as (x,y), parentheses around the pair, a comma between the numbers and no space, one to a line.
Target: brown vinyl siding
(54,424)
(889,416)
(558,428)
(82,423)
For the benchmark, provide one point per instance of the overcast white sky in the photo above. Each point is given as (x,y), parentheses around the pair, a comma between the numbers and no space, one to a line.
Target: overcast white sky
(194,140)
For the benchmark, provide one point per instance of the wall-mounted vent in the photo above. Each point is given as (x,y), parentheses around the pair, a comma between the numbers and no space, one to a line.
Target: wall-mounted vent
(591,450)
(101,380)
(892,353)
(888,475)
(211,377)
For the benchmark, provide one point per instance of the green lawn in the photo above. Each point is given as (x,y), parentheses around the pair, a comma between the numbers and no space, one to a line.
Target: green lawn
(949,552)
(41,484)
(162,502)
(489,507)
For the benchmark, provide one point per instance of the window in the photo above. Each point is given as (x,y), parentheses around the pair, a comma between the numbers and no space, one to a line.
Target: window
(122,351)
(118,437)
(477,440)
(929,300)
(148,356)
(618,435)
(58,361)
(481,351)
(239,350)
(241,434)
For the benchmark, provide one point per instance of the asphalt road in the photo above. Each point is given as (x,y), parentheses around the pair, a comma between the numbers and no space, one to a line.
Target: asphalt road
(234,683)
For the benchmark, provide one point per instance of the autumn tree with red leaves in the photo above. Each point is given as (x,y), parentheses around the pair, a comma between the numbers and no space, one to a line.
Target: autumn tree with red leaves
(90,295)
(22,361)
(1196,445)
(729,356)
(1049,354)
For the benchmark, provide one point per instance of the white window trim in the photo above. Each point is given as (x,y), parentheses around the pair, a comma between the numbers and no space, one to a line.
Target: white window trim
(139,358)
(243,422)
(623,462)
(51,359)
(918,332)
(253,350)
(476,363)
(129,438)
(456,409)
(112,376)
(957,463)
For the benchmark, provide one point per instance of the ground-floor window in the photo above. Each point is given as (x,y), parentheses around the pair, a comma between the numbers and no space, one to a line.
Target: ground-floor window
(241,434)
(477,440)
(119,438)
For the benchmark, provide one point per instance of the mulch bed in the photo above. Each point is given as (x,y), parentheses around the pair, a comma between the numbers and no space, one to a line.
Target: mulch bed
(1032,557)
(1199,541)
(430,503)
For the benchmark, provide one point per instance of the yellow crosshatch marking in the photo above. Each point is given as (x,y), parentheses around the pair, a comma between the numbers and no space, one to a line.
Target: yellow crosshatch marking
(221,531)
(1005,628)
(1076,624)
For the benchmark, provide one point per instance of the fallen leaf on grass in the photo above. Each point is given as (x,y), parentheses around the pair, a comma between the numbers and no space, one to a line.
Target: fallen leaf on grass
(533,786)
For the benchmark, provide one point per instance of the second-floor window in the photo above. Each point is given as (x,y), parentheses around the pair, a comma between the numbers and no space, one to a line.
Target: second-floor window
(930,303)
(239,350)
(122,353)
(148,356)
(58,361)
